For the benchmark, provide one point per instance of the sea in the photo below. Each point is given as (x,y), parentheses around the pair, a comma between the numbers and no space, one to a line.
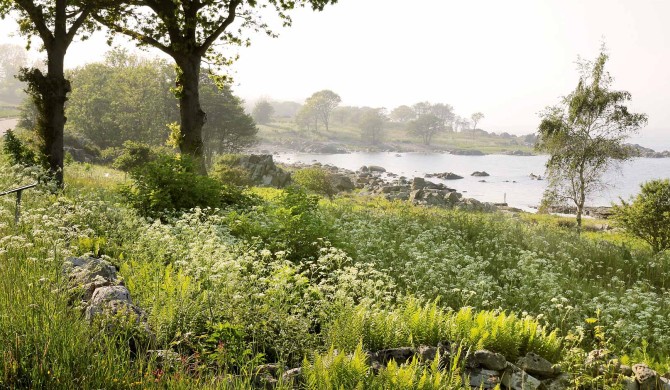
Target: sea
(510,178)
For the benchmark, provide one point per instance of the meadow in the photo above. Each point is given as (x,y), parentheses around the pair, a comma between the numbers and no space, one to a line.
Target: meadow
(306,281)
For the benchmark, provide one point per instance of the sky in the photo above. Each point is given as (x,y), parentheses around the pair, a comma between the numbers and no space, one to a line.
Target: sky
(506,59)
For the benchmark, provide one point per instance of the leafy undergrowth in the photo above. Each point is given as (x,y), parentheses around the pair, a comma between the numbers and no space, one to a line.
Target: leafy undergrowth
(294,277)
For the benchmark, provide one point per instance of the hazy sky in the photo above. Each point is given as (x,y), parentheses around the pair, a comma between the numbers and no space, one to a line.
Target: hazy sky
(507,59)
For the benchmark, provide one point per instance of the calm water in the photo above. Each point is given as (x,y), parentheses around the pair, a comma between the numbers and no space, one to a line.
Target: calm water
(504,170)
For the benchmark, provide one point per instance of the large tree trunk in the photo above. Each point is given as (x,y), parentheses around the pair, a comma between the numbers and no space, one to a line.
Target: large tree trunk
(192,116)
(49,94)
(55,97)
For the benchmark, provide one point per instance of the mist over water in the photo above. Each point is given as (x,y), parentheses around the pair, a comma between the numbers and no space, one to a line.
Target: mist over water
(510,175)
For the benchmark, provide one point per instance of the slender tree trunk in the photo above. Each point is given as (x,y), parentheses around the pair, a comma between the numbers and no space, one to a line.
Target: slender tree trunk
(192,116)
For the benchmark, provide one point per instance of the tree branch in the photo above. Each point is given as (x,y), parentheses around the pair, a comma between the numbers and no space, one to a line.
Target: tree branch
(222,27)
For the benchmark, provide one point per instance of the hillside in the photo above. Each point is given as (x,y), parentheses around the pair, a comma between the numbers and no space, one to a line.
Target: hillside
(233,298)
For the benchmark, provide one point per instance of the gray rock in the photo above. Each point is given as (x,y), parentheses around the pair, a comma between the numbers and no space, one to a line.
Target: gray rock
(83,270)
(536,365)
(426,353)
(418,183)
(626,370)
(663,383)
(562,382)
(376,168)
(292,376)
(630,383)
(517,379)
(342,182)
(487,359)
(645,376)
(480,173)
(400,355)
(483,379)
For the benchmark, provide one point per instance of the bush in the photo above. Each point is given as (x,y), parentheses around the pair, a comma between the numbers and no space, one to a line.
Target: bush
(84,149)
(18,150)
(648,215)
(227,171)
(133,155)
(316,180)
(171,183)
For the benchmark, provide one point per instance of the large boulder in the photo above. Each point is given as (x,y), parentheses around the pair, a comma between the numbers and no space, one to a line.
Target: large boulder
(86,274)
(538,366)
(480,174)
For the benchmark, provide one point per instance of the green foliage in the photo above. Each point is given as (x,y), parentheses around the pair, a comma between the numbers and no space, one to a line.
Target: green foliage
(124,98)
(262,112)
(228,128)
(426,126)
(585,135)
(171,183)
(648,214)
(336,370)
(133,155)
(293,224)
(227,171)
(315,179)
(412,324)
(18,151)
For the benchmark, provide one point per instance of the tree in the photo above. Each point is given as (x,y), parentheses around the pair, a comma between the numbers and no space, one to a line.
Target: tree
(426,126)
(125,98)
(56,23)
(443,111)
(476,117)
(12,58)
(187,31)
(403,114)
(585,135)
(229,128)
(307,118)
(422,108)
(372,125)
(323,103)
(262,112)
(648,215)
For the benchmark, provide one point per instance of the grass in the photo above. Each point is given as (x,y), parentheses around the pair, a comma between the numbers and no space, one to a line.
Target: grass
(226,290)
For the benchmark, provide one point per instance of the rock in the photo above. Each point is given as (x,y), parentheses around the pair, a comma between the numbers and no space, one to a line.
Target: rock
(663,383)
(342,182)
(400,355)
(468,152)
(480,173)
(445,175)
(630,383)
(517,379)
(363,169)
(536,365)
(83,270)
(487,359)
(484,379)
(562,382)
(426,353)
(376,168)
(262,170)
(626,370)
(645,376)
(292,376)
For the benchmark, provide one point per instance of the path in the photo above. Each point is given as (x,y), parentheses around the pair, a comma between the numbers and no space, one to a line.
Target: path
(6,124)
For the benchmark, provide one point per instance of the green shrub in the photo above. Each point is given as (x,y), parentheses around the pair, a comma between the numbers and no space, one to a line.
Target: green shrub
(315,179)
(226,170)
(19,151)
(293,224)
(648,215)
(133,155)
(171,183)
(81,142)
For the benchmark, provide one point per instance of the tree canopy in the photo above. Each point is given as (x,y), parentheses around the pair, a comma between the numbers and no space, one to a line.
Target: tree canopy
(584,136)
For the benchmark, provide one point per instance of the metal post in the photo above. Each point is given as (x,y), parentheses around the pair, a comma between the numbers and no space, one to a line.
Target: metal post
(17,213)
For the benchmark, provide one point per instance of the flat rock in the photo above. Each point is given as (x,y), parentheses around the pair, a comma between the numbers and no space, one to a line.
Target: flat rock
(400,355)
(516,379)
(536,365)
(488,360)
